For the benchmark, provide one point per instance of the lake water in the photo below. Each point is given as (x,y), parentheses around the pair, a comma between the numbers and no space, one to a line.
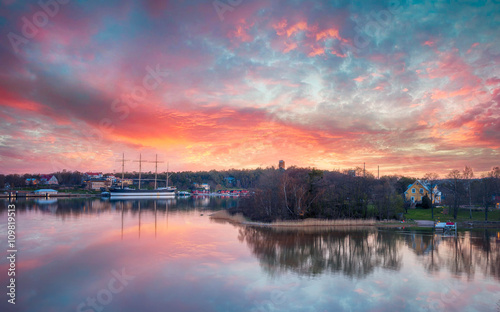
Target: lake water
(168,255)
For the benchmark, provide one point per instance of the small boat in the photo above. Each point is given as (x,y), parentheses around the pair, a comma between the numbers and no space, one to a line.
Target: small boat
(445,226)
(183,193)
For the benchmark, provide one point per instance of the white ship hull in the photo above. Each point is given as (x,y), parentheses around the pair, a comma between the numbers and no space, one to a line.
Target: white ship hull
(126,193)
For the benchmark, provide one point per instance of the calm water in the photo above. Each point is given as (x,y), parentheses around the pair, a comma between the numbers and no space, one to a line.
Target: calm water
(159,255)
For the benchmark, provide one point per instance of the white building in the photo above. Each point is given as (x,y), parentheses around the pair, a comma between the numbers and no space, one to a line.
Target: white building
(45,191)
(49,179)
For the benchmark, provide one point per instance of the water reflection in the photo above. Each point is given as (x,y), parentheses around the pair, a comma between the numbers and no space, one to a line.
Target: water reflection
(356,253)
(183,261)
(77,206)
(467,254)
(352,252)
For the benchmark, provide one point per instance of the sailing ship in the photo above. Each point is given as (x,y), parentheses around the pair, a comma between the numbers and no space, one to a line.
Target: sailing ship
(125,192)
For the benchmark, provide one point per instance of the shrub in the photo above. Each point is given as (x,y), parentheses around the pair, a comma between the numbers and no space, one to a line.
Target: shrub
(426,202)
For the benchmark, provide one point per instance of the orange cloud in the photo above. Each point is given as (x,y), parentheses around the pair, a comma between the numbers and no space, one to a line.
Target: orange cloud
(241,32)
(360,78)
(14,101)
(441,94)
(280,27)
(328,33)
(472,46)
(289,47)
(295,28)
(338,54)
(317,51)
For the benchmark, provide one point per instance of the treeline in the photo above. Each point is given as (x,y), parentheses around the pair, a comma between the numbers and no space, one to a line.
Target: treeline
(217,179)
(65,178)
(462,188)
(298,193)
(183,180)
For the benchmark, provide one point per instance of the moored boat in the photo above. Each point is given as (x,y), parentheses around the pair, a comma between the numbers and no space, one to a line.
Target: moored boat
(445,227)
(159,192)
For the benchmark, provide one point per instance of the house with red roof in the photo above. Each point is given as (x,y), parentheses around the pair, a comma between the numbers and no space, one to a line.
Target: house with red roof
(93,175)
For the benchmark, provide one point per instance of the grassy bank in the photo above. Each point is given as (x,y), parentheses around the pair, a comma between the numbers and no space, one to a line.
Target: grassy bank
(238,218)
(463,215)
(415,214)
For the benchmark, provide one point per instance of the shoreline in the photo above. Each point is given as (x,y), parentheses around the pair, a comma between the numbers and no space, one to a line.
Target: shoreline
(27,196)
(239,219)
(223,215)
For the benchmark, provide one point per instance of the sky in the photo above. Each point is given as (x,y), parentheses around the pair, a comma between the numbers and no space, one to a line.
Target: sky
(410,86)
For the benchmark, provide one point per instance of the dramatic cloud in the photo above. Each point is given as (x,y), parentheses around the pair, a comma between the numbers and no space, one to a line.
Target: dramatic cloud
(410,86)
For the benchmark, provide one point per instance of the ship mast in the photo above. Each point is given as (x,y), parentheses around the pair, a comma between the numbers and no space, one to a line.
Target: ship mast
(123,167)
(140,161)
(156,169)
(168,175)
(156,172)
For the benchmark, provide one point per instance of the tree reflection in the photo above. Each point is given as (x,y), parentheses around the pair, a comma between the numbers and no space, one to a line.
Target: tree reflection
(356,253)
(466,254)
(352,252)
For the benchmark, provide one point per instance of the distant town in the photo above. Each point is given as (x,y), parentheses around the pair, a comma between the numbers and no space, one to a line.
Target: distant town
(225,183)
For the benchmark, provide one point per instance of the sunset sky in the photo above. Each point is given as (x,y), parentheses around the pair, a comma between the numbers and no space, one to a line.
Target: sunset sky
(412,86)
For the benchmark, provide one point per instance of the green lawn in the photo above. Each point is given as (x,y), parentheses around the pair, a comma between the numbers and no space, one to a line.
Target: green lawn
(463,215)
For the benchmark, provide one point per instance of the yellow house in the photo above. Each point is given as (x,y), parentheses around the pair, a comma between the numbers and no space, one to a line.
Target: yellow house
(419,189)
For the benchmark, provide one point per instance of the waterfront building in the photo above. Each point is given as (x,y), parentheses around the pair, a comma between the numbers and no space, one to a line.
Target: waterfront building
(126,182)
(111,178)
(419,189)
(93,175)
(32,181)
(96,184)
(45,191)
(203,186)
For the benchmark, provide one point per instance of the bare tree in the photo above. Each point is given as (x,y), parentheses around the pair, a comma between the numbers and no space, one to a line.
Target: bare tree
(491,186)
(468,174)
(455,176)
(431,179)
(487,185)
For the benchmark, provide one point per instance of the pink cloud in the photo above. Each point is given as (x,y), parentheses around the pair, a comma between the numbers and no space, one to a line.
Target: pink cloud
(317,51)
